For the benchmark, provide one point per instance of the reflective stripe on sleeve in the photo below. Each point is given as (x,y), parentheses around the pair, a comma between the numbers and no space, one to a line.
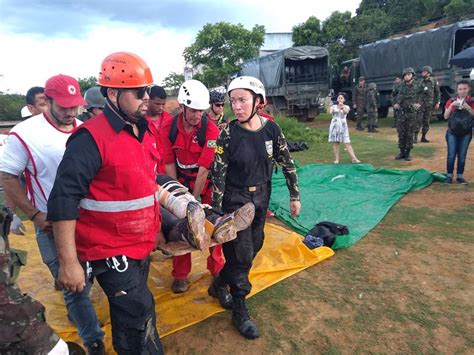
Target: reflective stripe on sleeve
(186,167)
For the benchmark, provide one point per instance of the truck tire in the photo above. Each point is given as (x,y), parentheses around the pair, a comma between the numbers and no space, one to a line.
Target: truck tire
(382,111)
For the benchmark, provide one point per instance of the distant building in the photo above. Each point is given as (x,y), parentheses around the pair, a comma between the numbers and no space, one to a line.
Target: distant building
(276,42)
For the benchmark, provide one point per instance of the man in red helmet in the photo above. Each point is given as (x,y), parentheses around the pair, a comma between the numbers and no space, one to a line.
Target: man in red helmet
(36,147)
(104,207)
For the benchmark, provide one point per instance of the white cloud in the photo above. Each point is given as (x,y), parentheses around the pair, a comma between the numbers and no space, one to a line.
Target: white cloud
(29,59)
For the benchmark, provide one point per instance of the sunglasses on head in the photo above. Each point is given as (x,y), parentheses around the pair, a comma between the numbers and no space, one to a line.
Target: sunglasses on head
(219,105)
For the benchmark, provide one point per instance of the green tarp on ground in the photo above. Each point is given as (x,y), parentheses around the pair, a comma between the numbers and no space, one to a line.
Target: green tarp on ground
(357,196)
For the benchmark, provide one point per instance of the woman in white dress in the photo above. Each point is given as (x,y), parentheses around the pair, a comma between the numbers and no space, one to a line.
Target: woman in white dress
(338,130)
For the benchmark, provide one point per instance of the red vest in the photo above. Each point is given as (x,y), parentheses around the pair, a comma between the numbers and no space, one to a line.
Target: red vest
(121,214)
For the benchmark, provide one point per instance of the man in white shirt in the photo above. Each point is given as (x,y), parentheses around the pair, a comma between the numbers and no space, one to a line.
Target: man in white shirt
(36,146)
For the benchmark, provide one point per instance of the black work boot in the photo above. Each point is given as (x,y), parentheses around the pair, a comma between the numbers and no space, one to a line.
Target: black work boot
(423,138)
(219,290)
(241,320)
(415,137)
(96,348)
(407,155)
(400,155)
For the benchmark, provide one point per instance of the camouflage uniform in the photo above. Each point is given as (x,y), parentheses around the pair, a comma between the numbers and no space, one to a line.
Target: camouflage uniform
(358,97)
(407,97)
(241,173)
(372,97)
(23,326)
(393,95)
(429,96)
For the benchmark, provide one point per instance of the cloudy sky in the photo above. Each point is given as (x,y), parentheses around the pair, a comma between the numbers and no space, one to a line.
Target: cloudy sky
(41,38)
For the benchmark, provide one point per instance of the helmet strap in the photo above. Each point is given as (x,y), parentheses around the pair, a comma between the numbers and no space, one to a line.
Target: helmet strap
(254,110)
(185,118)
(118,110)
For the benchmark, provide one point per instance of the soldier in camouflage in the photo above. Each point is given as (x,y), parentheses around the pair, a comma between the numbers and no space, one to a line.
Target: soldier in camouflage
(407,102)
(241,173)
(23,326)
(429,96)
(371,101)
(396,85)
(358,99)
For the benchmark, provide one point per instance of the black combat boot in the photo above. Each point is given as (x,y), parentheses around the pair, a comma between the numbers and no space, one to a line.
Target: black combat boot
(96,348)
(415,137)
(241,320)
(219,290)
(401,155)
(423,138)
(407,155)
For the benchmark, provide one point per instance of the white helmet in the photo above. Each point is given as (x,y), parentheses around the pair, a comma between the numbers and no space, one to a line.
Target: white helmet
(25,112)
(249,83)
(194,94)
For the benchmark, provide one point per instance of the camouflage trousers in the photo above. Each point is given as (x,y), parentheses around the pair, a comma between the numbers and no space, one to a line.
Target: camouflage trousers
(405,123)
(423,118)
(372,118)
(360,114)
(23,326)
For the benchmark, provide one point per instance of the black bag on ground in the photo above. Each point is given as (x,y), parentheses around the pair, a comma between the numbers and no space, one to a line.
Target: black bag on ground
(460,122)
(324,233)
(297,146)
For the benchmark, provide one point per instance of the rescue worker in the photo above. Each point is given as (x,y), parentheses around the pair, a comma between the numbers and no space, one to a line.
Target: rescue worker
(371,101)
(36,100)
(429,96)
(104,208)
(95,103)
(358,99)
(157,116)
(396,85)
(24,328)
(189,142)
(216,112)
(407,102)
(35,147)
(241,173)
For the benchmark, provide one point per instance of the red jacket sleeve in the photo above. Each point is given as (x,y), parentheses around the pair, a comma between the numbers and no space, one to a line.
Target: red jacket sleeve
(167,150)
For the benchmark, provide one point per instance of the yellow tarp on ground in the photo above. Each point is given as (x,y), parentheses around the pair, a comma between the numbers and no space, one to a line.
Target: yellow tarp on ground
(283,255)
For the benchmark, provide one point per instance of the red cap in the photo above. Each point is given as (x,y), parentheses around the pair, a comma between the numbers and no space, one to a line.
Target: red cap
(64,90)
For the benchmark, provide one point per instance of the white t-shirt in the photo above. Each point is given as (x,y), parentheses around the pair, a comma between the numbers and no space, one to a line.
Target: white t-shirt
(36,147)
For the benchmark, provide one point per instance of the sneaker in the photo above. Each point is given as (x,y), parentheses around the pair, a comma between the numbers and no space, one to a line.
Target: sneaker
(180,286)
(96,348)
(196,218)
(448,180)
(461,180)
(244,216)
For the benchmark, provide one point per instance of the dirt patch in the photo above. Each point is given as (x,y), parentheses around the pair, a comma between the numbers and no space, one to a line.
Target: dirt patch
(438,200)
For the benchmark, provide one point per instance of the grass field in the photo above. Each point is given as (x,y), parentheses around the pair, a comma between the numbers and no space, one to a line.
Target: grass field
(407,287)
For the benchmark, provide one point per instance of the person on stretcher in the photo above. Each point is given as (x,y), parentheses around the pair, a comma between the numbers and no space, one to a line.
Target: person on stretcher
(188,225)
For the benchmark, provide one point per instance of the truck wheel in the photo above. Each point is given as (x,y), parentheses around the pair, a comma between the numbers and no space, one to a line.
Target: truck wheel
(383,111)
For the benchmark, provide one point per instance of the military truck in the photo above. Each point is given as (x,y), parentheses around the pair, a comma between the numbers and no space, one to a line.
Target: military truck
(381,61)
(296,80)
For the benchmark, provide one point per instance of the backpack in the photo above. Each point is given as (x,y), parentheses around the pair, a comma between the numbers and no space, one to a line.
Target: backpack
(460,122)
(201,133)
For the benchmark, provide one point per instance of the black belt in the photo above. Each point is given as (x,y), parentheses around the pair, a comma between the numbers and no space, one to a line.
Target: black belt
(255,188)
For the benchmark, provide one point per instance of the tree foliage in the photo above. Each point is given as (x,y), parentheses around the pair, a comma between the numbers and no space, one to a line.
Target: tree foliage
(10,106)
(87,83)
(342,34)
(219,49)
(172,82)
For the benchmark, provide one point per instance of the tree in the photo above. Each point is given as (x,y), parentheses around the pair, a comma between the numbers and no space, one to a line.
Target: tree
(86,83)
(334,34)
(308,33)
(172,82)
(220,48)
(457,8)
(10,106)
(368,27)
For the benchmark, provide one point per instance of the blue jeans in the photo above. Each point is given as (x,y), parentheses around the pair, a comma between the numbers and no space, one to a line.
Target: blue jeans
(78,304)
(457,147)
